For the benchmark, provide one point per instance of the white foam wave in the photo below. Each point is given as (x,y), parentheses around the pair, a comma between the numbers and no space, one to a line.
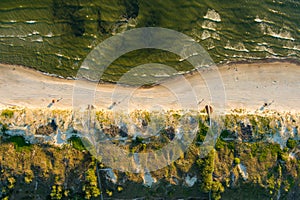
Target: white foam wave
(209,25)
(211,44)
(296,47)
(40,39)
(264,48)
(13,36)
(281,34)
(84,67)
(206,34)
(290,46)
(162,75)
(50,34)
(216,36)
(187,56)
(62,56)
(212,15)
(258,20)
(237,47)
(77,58)
(262,44)
(30,22)
(276,12)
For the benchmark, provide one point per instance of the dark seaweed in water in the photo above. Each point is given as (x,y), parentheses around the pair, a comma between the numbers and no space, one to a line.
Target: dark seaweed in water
(132,8)
(71,13)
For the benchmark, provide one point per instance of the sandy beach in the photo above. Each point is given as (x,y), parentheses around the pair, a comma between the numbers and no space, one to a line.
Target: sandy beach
(246,86)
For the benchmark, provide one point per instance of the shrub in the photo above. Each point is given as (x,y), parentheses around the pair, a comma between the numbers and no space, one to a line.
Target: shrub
(28,176)
(109,193)
(237,161)
(225,133)
(76,142)
(119,188)
(11,182)
(4,128)
(220,144)
(217,188)
(7,113)
(206,166)
(56,192)
(91,187)
(19,142)
(202,131)
(291,143)
(139,140)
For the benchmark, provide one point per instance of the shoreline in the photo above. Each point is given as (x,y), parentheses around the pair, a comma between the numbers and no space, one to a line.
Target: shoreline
(221,64)
(247,85)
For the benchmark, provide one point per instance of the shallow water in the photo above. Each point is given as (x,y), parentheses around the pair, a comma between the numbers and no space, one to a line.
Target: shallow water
(55,35)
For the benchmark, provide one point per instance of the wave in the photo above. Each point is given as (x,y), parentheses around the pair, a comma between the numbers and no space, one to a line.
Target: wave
(265,48)
(237,47)
(30,22)
(39,39)
(49,35)
(291,46)
(277,12)
(62,56)
(264,20)
(206,34)
(280,34)
(188,56)
(209,25)
(212,15)
(35,33)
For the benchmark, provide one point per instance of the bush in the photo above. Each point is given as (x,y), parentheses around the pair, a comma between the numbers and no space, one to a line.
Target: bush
(76,142)
(19,142)
(237,161)
(91,187)
(206,167)
(291,143)
(119,188)
(225,133)
(4,128)
(7,113)
(28,176)
(220,144)
(56,192)
(202,131)
(11,182)
(217,188)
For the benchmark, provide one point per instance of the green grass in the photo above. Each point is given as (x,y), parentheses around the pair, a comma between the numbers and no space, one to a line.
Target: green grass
(76,143)
(19,143)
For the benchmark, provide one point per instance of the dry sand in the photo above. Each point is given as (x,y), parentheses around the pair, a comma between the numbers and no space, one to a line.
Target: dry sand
(246,86)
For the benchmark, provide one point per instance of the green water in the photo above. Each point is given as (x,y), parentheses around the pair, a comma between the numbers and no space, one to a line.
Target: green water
(55,36)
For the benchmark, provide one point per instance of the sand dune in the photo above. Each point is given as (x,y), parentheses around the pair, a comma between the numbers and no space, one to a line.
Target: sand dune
(246,86)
